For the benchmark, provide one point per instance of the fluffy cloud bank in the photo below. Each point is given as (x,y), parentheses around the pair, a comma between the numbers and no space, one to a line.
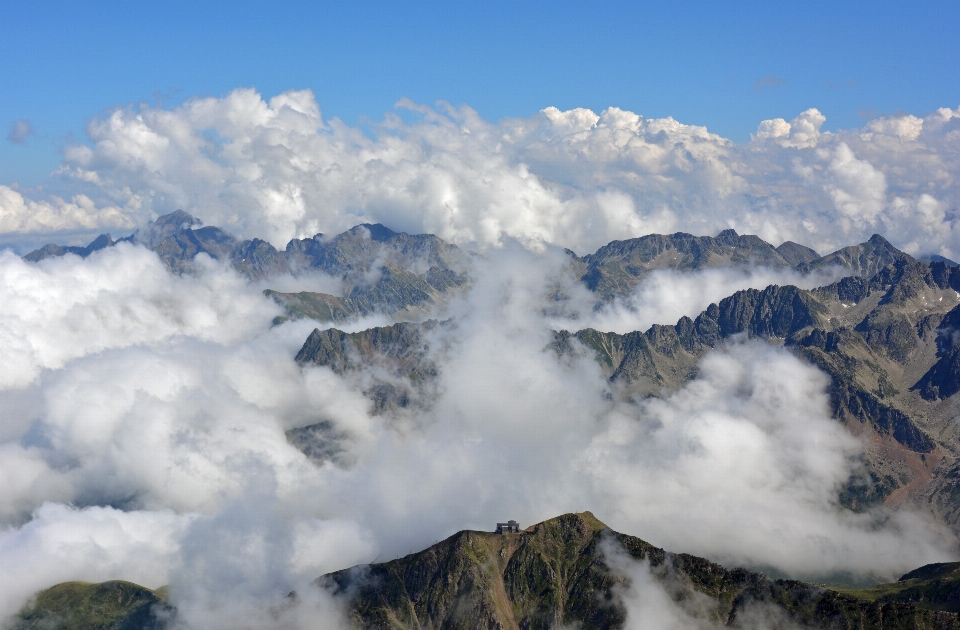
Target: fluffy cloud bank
(276,169)
(21,215)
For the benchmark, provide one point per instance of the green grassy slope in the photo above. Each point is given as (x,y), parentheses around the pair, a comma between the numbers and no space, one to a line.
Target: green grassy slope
(931,587)
(114,605)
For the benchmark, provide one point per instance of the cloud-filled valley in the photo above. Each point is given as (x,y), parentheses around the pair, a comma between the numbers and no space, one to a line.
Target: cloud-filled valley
(147,410)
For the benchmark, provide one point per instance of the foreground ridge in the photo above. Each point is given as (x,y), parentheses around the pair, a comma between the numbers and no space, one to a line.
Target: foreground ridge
(569,571)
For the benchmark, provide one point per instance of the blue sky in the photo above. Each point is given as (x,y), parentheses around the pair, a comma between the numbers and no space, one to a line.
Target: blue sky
(724,65)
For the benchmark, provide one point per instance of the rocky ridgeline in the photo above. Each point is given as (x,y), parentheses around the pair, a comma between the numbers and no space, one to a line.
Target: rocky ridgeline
(560,573)
(382,271)
(616,269)
(408,276)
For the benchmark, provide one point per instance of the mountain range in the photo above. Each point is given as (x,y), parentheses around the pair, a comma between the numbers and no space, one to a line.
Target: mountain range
(884,334)
(379,271)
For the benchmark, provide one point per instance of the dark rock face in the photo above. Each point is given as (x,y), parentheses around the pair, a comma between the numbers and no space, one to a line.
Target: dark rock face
(382,271)
(401,356)
(404,345)
(320,442)
(772,312)
(666,356)
(943,379)
(853,403)
(560,573)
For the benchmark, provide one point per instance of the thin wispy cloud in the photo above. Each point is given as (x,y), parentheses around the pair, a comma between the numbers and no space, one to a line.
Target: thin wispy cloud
(20,131)
(849,83)
(768,81)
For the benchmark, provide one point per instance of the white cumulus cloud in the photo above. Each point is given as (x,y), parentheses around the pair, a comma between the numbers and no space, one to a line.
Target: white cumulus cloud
(276,169)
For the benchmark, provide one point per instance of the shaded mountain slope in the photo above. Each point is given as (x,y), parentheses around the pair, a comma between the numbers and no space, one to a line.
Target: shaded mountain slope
(666,356)
(107,606)
(561,573)
(796,254)
(395,291)
(865,259)
(943,379)
(396,364)
(617,268)
(51,250)
(399,357)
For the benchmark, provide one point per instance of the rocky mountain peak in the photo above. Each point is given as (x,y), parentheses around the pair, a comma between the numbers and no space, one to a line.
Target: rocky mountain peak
(378,232)
(166,226)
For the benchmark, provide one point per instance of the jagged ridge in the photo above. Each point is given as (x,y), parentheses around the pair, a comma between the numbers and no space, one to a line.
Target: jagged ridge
(382,271)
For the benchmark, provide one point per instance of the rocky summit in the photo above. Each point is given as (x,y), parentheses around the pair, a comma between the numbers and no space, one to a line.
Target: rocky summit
(574,571)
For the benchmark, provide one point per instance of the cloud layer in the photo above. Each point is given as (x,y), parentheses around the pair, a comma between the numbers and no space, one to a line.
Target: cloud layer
(145,412)
(276,169)
(154,405)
